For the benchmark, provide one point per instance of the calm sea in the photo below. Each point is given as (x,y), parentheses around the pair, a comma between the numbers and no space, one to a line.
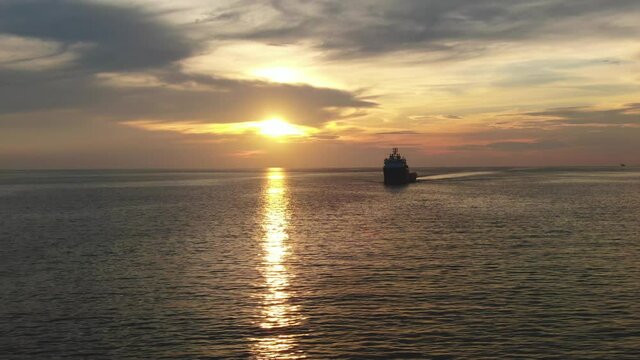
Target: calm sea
(466,263)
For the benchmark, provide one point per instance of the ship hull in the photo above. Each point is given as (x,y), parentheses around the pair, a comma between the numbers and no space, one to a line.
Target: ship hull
(398,176)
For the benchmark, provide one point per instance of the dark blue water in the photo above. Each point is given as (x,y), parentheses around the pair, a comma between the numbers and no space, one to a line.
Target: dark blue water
(490,263)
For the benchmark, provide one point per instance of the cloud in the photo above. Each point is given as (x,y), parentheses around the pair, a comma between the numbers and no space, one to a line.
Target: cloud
(207,100)
(628,114)
(73,72)
(247,153)
(324,136)
(399,132)
(106,37)
(125,67)
(509,146)
(568,135)
(455,28)
(434,118)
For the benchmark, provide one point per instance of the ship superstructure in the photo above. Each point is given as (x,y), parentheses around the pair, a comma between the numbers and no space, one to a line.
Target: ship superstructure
(396,171)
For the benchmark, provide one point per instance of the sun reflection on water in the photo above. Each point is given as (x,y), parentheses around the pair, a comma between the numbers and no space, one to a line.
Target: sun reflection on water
(278,315)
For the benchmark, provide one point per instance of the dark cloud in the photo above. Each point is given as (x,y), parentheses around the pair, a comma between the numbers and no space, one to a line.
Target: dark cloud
(177,97)
(459,28)
(107,37)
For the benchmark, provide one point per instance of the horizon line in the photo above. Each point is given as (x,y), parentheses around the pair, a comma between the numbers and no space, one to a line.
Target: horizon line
(255,169)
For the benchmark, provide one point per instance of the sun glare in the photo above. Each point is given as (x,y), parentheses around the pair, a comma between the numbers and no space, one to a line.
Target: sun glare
(279,74)
(277,128)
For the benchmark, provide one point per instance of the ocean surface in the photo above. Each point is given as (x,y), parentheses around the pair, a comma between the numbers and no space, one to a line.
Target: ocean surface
(464,264)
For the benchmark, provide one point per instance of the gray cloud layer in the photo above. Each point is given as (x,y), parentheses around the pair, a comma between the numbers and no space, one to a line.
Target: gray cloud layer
(454,27)
(179,97)
(109,38)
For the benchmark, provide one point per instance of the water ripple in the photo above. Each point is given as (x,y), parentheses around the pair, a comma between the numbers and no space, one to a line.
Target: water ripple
(496,264)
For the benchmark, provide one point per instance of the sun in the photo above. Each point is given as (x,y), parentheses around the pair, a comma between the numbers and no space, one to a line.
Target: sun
(279,74)
(278,128)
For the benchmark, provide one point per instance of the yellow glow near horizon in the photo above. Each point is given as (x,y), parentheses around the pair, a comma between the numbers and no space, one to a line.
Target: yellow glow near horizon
(277,128)
(274,128)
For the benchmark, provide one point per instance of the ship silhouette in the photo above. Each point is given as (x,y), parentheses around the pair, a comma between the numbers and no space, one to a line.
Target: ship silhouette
(396,171)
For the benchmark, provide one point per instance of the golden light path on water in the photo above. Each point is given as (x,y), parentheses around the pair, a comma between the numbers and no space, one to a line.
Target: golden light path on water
(278,315)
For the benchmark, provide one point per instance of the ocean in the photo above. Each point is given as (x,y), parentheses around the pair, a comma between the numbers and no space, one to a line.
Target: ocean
(500,263)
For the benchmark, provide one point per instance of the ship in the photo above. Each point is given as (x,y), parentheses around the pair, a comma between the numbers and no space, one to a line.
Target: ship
(396,171)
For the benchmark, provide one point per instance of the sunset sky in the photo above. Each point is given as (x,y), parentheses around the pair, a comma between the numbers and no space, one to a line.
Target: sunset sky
(251,84)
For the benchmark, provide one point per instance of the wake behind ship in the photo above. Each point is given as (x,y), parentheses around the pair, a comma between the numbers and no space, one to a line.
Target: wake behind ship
(396,171)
